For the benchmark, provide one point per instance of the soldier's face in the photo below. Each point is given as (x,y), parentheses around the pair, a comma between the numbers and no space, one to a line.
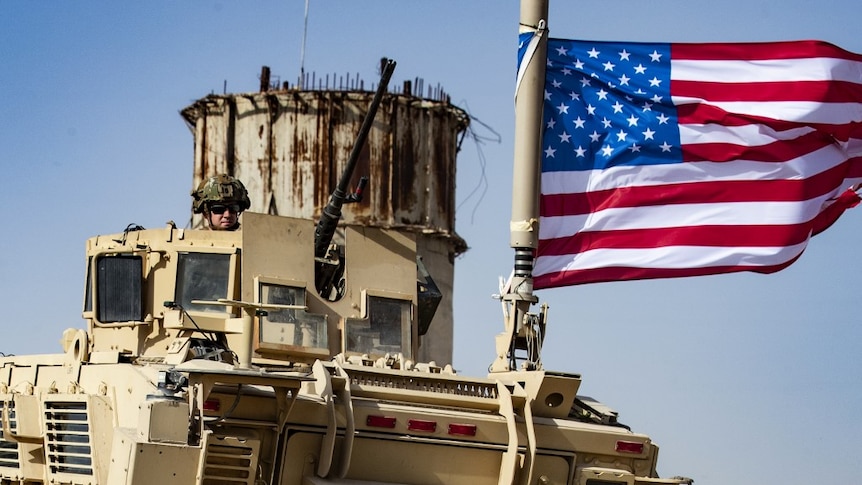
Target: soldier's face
(223,217)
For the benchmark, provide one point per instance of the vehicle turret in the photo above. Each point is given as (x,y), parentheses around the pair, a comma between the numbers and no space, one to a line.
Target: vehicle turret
(172,294)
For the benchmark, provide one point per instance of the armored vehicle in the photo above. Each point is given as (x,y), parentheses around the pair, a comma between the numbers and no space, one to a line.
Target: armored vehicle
(209,357)
(285,353)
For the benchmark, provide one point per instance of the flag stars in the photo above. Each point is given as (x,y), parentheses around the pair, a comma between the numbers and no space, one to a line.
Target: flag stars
(608,106)
(648,134)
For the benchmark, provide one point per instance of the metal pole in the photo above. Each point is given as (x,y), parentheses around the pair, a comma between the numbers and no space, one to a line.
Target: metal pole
(246,347)
(524,225)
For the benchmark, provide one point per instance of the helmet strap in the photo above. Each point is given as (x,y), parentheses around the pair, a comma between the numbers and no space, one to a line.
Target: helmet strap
(209,219)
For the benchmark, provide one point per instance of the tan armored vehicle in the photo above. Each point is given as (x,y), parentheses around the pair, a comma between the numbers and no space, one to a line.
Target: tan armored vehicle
(162,386)
(285,353)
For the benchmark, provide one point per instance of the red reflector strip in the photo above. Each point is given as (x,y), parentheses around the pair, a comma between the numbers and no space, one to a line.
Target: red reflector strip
(630,447)
(462,429)
(421,425)
(212,405)
(380,421)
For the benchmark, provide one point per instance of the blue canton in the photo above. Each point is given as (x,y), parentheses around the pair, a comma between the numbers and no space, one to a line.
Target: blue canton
(607,104)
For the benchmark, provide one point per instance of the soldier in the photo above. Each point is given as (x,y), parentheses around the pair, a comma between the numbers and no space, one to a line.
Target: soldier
(221,199)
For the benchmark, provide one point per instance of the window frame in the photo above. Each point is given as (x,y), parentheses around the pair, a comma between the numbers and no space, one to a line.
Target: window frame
(232,283)
(92,294)
(284,348)
(407,329)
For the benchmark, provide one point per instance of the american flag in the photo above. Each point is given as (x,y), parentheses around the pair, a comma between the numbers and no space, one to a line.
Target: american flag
(665,160)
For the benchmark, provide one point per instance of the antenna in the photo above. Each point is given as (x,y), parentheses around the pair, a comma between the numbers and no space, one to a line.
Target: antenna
(302,51)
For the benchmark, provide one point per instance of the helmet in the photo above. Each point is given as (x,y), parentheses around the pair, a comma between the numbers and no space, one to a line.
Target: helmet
(220,188)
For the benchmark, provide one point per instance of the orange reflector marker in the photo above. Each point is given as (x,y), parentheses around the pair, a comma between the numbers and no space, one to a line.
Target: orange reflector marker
(462,429)
(380,421)
(630,447)
(212,405)
(421,425)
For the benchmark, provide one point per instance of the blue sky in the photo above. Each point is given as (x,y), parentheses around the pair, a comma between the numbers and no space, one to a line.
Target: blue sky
(742,379)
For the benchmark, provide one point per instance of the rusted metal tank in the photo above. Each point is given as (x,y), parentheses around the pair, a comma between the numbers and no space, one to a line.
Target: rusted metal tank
(289,146)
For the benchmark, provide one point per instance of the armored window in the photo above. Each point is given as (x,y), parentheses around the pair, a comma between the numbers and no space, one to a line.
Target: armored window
(119,290)
(88,295)
(385,329)
(204,277)
(290,328)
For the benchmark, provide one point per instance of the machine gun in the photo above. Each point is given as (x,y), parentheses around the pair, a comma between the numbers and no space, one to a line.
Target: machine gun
(328,264)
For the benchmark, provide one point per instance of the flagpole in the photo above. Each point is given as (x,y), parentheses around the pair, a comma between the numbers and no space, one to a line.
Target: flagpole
(524,224)
(528,132)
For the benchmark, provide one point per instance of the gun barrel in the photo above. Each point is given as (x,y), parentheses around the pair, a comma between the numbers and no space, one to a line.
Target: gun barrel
(332,212)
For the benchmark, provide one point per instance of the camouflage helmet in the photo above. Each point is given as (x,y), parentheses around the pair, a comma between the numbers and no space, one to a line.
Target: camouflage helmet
(221,188)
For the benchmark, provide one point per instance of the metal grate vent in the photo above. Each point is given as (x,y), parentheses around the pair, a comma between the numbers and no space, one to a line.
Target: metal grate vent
(424,384)
(9,457)
(67,438)
(228,464)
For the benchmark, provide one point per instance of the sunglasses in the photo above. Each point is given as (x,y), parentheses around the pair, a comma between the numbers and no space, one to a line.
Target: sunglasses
(220,209)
